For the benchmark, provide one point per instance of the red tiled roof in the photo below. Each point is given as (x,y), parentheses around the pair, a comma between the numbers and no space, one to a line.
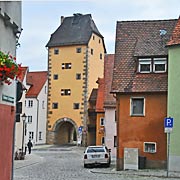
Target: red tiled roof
(100,95)
(109,100)
(23,73)
(140,39)
(175,38)
(36,80)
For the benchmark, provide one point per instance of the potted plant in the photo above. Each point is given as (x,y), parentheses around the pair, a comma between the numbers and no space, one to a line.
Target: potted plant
(9,69)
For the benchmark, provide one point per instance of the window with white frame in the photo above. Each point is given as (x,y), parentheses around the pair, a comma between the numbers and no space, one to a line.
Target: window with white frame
(65,92)
(145,65)
(101,121)
(137,106)
(43,104)
(159,65)
(30,103)
(31,135)
(29,119)
(66,65)
(150,147)
(40,135)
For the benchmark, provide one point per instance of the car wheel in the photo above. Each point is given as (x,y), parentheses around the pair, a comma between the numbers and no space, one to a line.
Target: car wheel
(85,165)
(108,165)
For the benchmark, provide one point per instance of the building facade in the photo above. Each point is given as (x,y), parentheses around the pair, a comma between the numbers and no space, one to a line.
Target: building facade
(75,61)
(140,85)
(174,97)
(109,106)
(36,107)
(10,28)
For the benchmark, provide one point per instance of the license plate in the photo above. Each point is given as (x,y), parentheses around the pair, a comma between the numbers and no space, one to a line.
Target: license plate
(95,156)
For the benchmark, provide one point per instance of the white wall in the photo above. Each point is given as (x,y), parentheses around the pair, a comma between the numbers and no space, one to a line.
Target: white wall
(9,28)
(110,130)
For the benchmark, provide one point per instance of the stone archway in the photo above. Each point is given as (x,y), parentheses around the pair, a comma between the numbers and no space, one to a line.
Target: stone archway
(65,131)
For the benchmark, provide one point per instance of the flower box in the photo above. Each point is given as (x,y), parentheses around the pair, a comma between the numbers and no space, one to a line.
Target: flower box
(9,69)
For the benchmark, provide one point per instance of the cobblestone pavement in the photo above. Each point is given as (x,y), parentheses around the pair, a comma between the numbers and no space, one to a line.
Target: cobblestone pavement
(66,163)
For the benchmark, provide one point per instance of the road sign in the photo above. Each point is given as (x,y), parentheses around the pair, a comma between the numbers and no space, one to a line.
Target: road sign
(168,124)
(80,129)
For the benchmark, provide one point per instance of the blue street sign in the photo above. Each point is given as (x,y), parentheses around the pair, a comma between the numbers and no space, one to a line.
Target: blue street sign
(168,122)
(80,129)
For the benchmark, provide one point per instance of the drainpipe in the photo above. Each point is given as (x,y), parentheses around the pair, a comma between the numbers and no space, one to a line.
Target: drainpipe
(37,120)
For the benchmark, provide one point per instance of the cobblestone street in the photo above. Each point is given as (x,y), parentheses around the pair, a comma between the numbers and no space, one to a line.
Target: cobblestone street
(66,163)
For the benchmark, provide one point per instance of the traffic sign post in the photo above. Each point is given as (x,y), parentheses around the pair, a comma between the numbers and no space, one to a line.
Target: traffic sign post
(168,126)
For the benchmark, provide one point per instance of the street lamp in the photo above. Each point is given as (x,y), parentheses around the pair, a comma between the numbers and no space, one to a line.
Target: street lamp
(23,120)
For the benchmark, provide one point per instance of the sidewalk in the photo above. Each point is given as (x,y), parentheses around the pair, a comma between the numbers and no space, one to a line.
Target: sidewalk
(161,174)
(30,159)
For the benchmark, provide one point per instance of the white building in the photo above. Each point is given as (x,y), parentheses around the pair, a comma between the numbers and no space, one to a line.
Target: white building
(109,106)
(36,107)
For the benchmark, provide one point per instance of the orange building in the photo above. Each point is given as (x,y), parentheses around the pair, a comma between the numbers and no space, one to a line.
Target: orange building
(100,121)
(75,61)
(140,85)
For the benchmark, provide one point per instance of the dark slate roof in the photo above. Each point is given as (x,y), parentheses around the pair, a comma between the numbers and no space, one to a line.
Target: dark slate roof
(175,38)
(93,95)
(74,30)
(140,39)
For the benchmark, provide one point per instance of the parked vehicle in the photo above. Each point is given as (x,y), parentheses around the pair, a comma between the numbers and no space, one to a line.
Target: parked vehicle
(97,155)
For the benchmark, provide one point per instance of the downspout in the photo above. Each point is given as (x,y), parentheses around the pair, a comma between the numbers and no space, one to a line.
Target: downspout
(118,160)
(37,120)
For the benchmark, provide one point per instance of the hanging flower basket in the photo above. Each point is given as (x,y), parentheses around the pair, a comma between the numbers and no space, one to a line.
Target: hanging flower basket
(9,69)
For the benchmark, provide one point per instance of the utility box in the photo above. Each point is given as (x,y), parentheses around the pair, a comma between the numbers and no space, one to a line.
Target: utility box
(131,158)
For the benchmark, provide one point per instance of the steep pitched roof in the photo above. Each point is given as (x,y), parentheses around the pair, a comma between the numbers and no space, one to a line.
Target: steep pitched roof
(23,73)
(136,39)
(74,30)
(109,100)
(93,95)
(100,95)
(36,80)
(175,38)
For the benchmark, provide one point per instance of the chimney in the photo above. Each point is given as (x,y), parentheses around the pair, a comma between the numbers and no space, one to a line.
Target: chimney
(62,19)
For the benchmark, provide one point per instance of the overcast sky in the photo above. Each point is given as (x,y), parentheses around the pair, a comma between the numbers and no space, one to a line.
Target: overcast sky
(41,18)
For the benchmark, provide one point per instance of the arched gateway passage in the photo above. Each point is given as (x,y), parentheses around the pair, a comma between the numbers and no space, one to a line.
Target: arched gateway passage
(65,131)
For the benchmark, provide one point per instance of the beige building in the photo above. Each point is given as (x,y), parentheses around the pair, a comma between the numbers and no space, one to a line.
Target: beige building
(75,61)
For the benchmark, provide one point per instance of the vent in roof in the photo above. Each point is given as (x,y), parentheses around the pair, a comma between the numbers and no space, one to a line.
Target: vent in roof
(162,32)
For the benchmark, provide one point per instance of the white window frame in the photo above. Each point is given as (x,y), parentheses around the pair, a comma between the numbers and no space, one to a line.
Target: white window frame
(31,135)
(40,135)
(65,92)
(162,61)
(29,119)
(131,108)
(150,151)
(143,61)
(30,103)
(102,124)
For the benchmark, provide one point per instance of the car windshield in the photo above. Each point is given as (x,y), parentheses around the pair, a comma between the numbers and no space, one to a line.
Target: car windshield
(95,149)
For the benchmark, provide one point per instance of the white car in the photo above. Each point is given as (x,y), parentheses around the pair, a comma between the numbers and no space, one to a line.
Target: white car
(97,155)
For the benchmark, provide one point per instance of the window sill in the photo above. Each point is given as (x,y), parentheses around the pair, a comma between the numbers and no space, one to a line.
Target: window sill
(137,115)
